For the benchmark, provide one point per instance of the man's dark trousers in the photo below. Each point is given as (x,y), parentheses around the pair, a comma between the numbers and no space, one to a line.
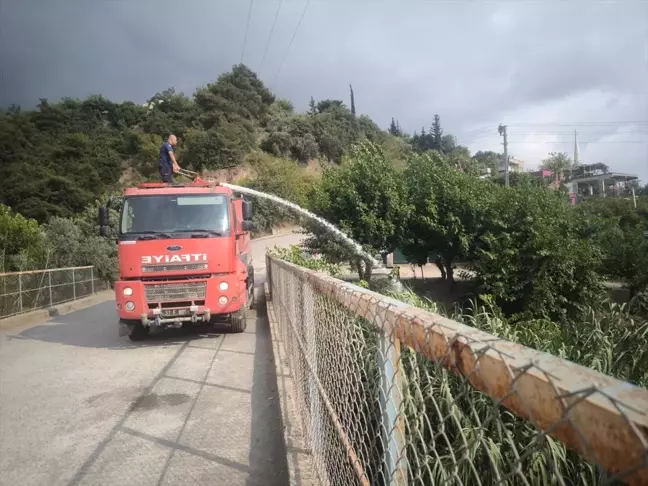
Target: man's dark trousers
(166,174)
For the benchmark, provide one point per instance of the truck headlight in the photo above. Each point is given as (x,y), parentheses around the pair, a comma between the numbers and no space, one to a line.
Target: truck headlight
(222,300)
(223,286)
(130,306)
(128,291)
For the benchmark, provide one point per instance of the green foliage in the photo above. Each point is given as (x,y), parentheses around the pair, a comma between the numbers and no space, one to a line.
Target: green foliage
(448,208)
(488,160)
(21,241)
(364,197)
(619,230)
(557,162)
(608,340)
(62,242)
(533,254)
(217,148)
(281,178)
(295,254)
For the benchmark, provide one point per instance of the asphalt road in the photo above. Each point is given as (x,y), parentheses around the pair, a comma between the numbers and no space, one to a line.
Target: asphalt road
(80,405)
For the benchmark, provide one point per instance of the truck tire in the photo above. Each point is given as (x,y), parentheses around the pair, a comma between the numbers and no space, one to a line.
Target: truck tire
(239,320)
(252,298)
(137,332)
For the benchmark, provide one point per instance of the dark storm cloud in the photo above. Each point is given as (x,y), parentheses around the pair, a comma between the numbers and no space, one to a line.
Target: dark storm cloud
(474,63)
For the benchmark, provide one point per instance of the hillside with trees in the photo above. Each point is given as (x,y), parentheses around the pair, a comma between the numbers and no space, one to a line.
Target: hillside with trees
(530,251)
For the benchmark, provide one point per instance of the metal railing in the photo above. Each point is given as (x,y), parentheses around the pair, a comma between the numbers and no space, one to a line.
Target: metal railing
(22,292)
(391,394)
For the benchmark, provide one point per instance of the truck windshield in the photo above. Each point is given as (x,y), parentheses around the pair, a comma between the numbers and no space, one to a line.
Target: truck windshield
(162,215)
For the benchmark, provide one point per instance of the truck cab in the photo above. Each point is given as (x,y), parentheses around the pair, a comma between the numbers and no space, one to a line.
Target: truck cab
(184,257)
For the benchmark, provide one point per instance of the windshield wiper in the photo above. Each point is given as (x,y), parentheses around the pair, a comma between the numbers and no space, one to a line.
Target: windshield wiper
(201,233)
(152,235)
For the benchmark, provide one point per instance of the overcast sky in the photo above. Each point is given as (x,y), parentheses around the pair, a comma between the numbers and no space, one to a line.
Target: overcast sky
(570,65)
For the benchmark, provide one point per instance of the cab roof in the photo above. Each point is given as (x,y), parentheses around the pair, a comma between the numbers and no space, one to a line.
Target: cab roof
(194,187)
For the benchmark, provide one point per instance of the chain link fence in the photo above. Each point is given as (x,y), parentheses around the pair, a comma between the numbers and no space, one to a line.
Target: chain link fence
(27,291)
(390,394)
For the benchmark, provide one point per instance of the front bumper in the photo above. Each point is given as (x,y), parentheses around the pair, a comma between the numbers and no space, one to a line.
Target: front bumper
(161,303)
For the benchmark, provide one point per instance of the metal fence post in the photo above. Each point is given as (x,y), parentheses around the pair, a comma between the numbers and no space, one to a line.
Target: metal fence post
(269,275)
(20,295)
(92,278)
(49,281)
(391,401)
(73,286)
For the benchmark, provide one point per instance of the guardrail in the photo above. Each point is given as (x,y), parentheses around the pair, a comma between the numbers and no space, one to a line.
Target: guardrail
(22,292)
(391,394)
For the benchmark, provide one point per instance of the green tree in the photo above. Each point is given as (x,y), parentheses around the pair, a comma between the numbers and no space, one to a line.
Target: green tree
(557,162)
(394,128)
(365,198)
(619,230)
(536,256)
(353,109)
(281,178)
(448,209)
(488,160)
(437,134)
(21,241)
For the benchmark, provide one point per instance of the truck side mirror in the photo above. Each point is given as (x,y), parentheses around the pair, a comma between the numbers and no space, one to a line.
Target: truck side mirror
(104,223)
(104,219)
(246,225)
(247,210)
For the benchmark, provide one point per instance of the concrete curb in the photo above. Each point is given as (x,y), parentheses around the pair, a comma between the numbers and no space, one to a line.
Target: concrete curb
(41,315)
(299,458)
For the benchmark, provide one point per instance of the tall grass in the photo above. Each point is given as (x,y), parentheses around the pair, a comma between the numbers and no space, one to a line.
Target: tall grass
(464,437)
(456,434)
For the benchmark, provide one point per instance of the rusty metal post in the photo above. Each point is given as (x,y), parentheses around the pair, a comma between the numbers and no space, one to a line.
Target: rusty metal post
(391,406)
(92,279)
(49,284)
(73,286)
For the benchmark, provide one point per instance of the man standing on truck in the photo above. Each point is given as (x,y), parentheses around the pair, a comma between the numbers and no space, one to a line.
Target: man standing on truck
(168,164)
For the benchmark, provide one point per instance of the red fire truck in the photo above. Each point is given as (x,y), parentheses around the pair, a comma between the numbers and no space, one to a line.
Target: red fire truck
(184,257)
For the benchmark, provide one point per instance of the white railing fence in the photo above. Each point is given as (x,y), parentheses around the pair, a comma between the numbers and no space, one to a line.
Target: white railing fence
(22,292)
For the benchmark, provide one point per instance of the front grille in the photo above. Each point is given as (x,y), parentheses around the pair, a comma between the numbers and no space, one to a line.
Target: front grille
(173,267)
(175,291)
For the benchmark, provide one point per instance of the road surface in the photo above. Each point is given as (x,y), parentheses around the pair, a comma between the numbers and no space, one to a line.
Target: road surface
(80,405)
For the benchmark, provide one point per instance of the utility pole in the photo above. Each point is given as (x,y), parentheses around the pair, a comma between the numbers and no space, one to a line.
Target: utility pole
(502,131)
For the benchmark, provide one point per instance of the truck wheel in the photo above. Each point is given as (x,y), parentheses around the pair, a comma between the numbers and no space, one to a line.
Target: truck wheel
(138,332)
(252,298)
(239,320)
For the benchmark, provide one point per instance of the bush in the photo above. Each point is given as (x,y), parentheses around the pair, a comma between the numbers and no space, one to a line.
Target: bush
(534,256)
(279,177)
(365,198)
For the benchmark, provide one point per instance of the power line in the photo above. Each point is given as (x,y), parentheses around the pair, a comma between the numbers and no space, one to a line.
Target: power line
(247,27)
(581,141)
(274,22)
(571,124)
(290,43)
(589,132)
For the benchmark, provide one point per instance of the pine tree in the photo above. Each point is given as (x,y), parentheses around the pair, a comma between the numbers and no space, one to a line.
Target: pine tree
(353,111)
(394,128)
(313,107)
(437,133)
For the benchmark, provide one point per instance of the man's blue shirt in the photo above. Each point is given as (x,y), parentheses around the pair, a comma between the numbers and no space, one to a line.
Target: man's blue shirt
(165,157)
